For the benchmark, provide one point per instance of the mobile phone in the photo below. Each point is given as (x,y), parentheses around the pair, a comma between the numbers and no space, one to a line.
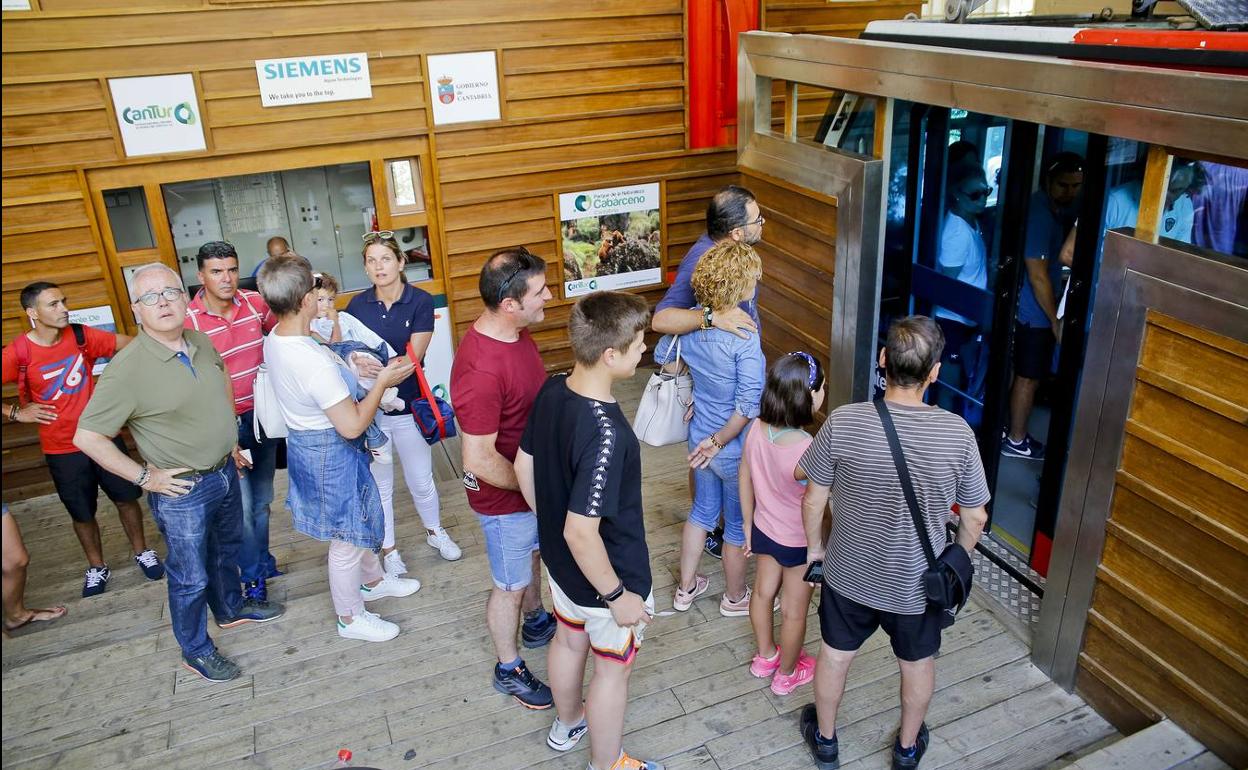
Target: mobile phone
(814,572)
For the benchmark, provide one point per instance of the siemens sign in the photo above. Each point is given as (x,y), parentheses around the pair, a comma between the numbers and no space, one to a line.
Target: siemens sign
(311,79)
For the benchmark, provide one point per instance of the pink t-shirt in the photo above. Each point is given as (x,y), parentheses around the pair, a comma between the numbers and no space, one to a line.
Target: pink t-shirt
(777,495)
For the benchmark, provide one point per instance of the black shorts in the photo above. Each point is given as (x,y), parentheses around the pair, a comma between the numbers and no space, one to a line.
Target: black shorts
(845,625)
(79,479)
(1033,351)
(785,555)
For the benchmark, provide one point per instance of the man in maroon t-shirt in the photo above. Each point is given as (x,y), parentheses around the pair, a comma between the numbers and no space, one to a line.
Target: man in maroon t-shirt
(494,381)
(56,374)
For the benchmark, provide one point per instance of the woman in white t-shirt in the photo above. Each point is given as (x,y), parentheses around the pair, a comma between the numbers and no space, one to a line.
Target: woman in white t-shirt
(332,495)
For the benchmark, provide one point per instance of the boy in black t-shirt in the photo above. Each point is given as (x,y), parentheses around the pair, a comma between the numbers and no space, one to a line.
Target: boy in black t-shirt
(579,467)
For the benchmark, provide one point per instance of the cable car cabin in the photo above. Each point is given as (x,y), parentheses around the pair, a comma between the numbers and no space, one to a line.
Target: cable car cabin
(1069,203)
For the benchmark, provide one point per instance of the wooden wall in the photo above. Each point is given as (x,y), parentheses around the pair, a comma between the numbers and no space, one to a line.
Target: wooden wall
(593,96)
(799,253)
(1165,635)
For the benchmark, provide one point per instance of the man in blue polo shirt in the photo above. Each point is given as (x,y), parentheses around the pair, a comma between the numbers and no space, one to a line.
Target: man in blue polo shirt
(1037,327)
(733,214)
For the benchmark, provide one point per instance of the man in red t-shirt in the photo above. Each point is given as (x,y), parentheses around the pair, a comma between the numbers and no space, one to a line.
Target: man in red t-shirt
(494,380)
(55,374)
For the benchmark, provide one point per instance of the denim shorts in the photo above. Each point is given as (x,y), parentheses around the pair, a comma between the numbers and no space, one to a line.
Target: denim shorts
(510,540)
(715,491)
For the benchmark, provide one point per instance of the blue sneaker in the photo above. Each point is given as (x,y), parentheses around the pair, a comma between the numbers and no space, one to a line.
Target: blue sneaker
(253,611)
(825,753)
(96,581)
(214,666)
(906,759)
(520,684)
(256,591)
(1028,448)
(538,630)
(149,562)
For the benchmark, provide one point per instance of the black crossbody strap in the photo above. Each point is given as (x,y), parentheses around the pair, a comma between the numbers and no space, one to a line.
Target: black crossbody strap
(899,460)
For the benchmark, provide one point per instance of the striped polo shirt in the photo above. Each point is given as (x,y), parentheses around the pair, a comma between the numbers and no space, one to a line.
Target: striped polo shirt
(874,556)
(239,339)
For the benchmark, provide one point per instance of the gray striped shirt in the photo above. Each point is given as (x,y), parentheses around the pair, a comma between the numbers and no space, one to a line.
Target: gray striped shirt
(874,556)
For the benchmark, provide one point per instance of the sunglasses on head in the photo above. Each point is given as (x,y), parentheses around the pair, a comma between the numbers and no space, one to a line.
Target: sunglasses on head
(316,280)
(378,235)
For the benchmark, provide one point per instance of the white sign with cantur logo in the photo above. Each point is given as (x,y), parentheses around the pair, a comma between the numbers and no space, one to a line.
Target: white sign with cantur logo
(158,115)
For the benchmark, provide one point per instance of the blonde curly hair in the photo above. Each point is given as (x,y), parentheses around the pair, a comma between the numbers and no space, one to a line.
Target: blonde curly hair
(723,274)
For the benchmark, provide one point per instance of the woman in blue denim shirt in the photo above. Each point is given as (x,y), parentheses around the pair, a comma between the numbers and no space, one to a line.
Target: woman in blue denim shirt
(728,374)
(332,495)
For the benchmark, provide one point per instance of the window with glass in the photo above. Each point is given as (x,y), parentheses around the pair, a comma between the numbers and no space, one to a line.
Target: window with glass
(128,219)
(403,184)
(320,213)
(840,119)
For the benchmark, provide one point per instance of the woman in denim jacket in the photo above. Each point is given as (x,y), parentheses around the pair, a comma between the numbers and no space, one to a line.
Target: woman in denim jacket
(332,495)
(728,374)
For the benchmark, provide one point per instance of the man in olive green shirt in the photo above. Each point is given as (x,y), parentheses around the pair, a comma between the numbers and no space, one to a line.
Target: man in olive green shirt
(171,389)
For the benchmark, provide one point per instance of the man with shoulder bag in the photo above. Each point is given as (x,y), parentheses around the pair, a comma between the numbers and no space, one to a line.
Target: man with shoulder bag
(893,470)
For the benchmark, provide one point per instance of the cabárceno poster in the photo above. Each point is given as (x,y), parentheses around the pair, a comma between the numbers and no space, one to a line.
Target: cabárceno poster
(157,115)
(311,79)
(610,238)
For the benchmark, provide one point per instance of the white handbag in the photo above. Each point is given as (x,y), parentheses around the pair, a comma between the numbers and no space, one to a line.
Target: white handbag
(267,413)
(660,419)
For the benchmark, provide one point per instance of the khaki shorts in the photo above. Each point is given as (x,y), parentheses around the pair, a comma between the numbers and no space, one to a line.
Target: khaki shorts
(606,638)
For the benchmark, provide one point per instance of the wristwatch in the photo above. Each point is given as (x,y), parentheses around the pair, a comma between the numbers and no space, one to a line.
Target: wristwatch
(706,317)
(617,593)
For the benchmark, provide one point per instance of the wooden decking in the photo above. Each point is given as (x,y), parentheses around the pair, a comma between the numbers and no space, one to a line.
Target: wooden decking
(103,688)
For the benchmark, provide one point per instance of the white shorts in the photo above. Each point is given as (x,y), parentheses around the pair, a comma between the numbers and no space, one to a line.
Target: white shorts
(606,638)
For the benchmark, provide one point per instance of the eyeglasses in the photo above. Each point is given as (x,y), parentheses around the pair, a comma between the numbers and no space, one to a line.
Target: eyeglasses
(169,294)
(378,235)
(758,221)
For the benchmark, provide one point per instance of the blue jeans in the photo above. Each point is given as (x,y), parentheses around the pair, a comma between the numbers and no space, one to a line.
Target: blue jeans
(256,488)
(203,530)
(715,490)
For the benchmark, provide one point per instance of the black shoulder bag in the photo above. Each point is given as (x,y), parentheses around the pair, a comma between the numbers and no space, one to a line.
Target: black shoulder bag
(947,581)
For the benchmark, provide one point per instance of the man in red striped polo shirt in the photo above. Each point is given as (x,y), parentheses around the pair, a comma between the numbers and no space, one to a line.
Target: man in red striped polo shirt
(236,321)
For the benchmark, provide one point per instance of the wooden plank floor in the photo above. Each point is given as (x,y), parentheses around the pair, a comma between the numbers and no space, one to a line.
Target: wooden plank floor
(103,688)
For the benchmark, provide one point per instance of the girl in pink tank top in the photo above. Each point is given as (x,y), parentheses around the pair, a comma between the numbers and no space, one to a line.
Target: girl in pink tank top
(771,503)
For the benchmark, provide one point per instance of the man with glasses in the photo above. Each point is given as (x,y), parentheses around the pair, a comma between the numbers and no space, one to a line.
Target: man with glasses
(1050,217)
(51,365)
(494,381)
(732,215)
(236,321)
(171,388)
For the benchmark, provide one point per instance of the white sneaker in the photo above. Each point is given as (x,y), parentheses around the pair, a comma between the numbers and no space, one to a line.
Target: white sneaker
(369,627)
(564,737)
(441,540)
(390,586)
(393,564)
